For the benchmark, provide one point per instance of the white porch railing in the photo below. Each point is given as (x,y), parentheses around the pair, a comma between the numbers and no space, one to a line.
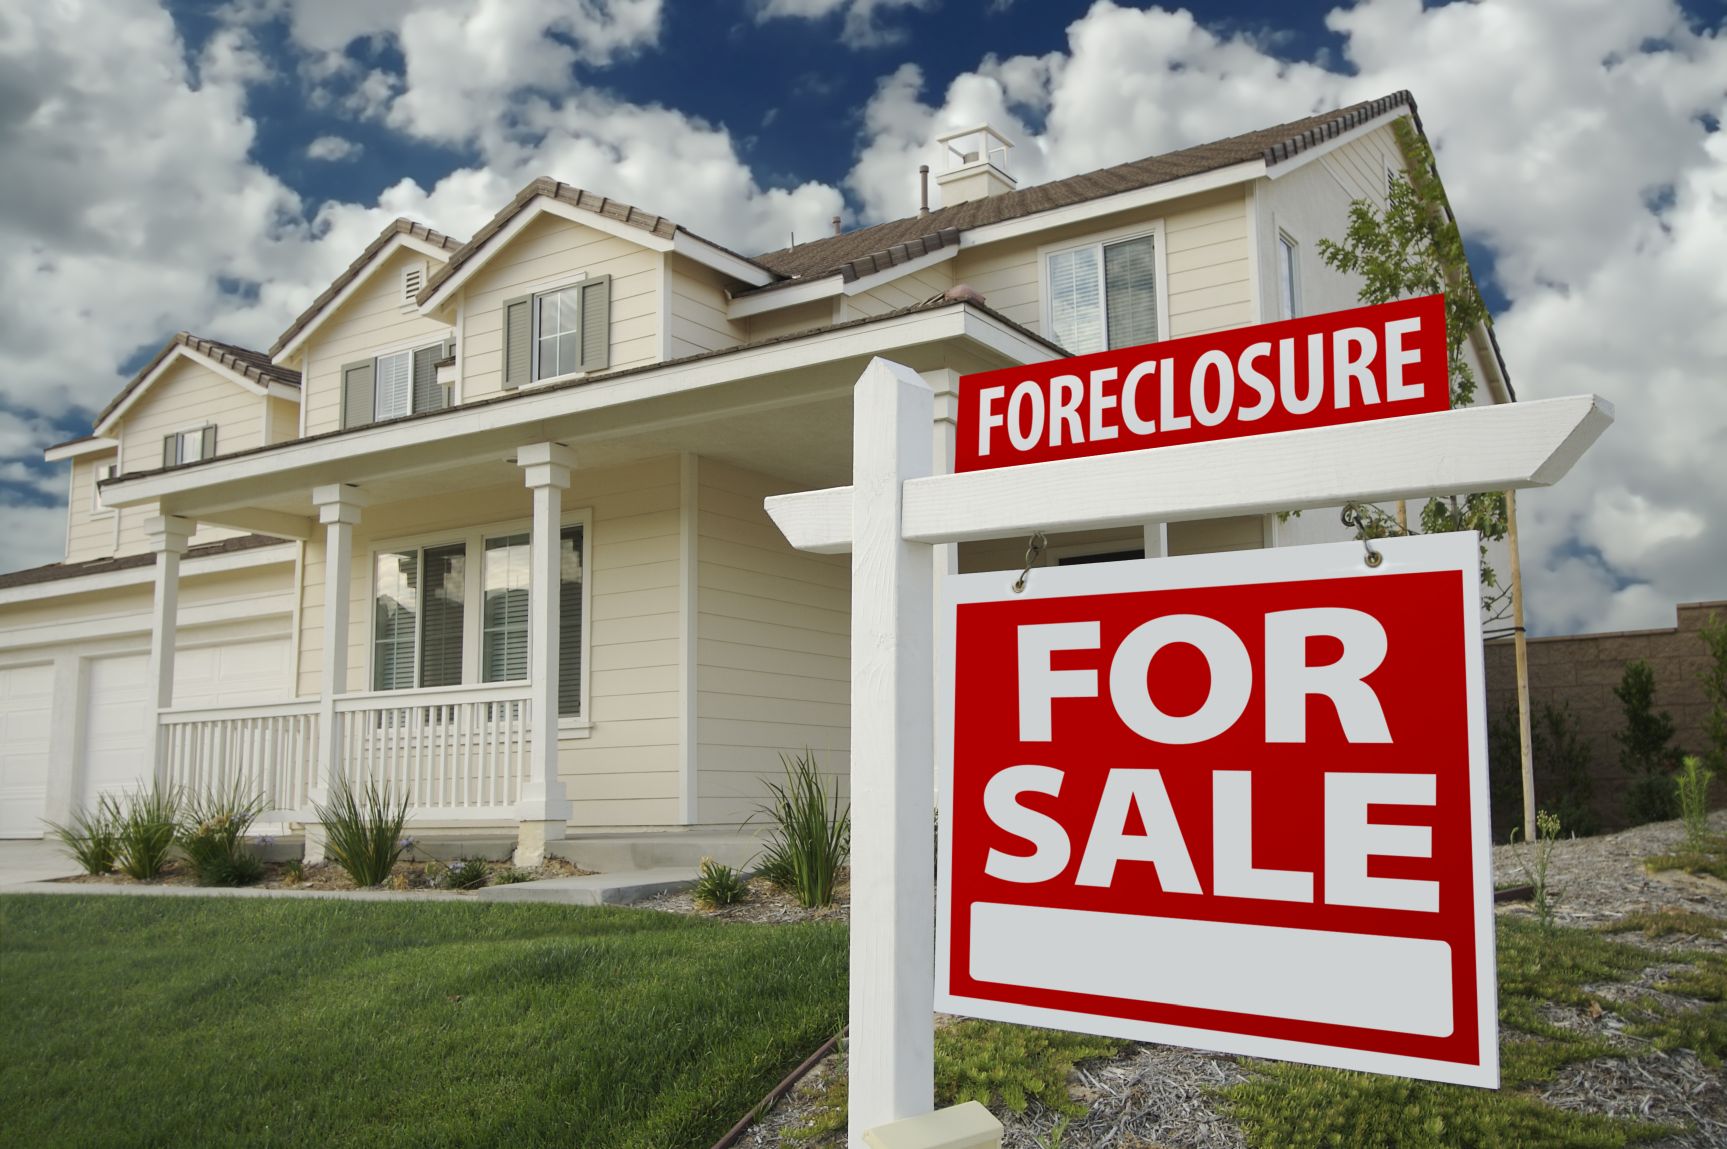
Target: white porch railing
(455,752)
(268,751)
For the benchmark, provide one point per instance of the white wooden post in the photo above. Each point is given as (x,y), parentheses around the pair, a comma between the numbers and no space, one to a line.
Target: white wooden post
(544,811)
(892,1048)
(339,508)
(168,535)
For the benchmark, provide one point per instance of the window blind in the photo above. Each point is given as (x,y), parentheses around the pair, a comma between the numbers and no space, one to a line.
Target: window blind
(504,622)
(570,621)
(1076,300)
(1130,286)
(442,615)
(395,617)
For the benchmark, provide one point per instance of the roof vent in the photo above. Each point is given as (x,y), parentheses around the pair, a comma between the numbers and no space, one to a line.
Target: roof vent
(413,279)
(975,165)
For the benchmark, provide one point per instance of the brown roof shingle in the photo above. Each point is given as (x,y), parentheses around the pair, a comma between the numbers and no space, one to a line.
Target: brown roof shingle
(254,365)
(54,572)
(833,254)
(396,227)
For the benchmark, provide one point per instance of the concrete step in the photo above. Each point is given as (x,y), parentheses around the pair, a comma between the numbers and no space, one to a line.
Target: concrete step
(671,849)
(614,889)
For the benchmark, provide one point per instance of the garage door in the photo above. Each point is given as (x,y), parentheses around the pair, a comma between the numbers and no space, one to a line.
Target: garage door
(116,726)
(26,698)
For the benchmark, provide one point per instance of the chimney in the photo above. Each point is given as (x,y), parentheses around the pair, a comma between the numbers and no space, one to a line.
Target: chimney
(836,225)
(976,165)
(923,189)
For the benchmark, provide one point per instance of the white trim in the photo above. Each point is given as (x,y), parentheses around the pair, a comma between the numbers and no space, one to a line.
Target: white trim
(297,620)
(1281,236)
(461,329)
(306,382)
(834,284)
(533,407)
(1160,259)
(712,255)
(1255,228)
(397,242)
(91,446)
(1110,205)
(665,301)
(1302,158)
(97,509)
(689,486)
(139,575)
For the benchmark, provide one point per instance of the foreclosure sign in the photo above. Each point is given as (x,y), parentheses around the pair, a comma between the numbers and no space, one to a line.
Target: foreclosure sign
(1341,367)
(1233,801)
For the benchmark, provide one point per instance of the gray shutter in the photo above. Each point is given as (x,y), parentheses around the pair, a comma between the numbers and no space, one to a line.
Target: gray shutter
(209,444)
(518,341)
(168,454)
(596,323)
(428,392)
(359,393)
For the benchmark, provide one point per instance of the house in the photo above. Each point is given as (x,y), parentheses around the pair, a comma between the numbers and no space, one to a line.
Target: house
(336,558)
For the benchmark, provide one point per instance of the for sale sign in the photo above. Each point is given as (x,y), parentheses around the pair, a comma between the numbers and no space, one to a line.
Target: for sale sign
(1316,371)
(1235,801)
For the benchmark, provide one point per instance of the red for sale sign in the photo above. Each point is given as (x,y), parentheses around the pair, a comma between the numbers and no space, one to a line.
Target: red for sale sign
(1340,367)
(1234,801)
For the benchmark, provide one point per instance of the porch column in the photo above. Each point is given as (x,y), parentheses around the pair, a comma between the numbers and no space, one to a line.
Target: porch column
(339,510)
(168,535)
(544,810)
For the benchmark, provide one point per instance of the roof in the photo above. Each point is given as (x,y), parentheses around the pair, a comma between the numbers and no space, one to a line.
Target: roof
(396,227)
(254,365)
(656,225)
(53,572)
(832,254)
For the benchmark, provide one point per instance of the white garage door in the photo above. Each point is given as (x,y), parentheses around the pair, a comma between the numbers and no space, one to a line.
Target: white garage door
(26,698)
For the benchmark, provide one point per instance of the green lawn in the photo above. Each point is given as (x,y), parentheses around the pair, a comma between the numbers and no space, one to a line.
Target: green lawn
(190,1021)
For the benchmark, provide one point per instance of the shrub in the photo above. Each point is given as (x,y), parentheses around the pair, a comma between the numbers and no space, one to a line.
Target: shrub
(210,834)
(1562,760)
(1643,747)
(717,885)
(811,836)
(93,838)
(511,876)
(145,833)
(1692,791)
(464,874)
(364,831)
(1714,678)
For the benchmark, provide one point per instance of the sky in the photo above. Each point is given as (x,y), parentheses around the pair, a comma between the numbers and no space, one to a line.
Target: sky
(211,167)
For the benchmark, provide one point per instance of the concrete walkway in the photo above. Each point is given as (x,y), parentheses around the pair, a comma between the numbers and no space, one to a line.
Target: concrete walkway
(33,861)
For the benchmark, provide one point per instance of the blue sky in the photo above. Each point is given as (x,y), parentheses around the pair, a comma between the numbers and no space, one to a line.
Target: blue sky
(211,166)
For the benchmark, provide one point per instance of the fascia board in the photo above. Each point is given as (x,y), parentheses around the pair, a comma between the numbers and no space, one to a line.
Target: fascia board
(527,410)
(694,247)
(1110,205)
(1302,158)
(96,446)
(284,391)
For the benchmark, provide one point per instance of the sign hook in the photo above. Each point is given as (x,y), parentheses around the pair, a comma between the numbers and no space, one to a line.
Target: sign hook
(1033,551)
(1352,516)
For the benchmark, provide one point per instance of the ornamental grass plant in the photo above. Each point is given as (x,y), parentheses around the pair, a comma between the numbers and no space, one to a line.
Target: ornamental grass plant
(363,831)
(93,837)
(211,836)
(144,835)
(810,837)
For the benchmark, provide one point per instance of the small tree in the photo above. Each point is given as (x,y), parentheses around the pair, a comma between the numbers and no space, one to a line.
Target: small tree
(1410,248)
(1565,757)
(1644,749)
(1714,678)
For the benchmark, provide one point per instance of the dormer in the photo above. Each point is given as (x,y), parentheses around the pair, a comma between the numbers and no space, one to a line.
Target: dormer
(975,162)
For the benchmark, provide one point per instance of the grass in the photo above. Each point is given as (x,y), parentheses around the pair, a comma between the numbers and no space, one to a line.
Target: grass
(192,1021)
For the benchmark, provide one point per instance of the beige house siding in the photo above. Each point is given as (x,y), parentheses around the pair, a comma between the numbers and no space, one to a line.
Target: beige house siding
(187,396)
(284,419)
(904,291)
(371,322)
(697,310)
(553,252)
(791,320)
(89,535)
(773,641)
(626,772)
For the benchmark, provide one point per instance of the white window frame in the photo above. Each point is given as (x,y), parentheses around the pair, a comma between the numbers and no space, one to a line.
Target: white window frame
(546,286)
(473,605)
(1284,237)
(97,509)
(1098,241)
(180,443)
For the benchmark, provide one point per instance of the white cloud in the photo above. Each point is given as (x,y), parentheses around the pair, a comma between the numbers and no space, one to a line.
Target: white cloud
(35,535)
(333,149)
(863,26)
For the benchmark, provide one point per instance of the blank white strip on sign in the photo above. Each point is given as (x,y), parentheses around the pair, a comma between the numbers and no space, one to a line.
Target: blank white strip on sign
(1398,984)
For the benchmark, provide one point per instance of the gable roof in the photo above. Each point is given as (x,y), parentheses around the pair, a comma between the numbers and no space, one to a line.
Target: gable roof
(657,226)
(396,227)
(835,254)
(243,361)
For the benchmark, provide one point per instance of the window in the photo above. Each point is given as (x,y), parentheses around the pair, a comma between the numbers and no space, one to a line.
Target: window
(188,446)
(391,386)
(104,472)
(422,602)
(1288,270)
(560,332)
(1104,295)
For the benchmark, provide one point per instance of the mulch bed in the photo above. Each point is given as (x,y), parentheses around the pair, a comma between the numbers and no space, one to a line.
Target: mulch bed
(406,877)
(763,904)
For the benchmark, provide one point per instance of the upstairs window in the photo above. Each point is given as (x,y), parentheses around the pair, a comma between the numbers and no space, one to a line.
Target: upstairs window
(104,472)
(1104,295)
(393,385)
(1288,277)
(565,331)
(189,446)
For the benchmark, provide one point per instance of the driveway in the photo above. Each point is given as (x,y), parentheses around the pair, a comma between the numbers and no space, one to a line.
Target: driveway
(33,861)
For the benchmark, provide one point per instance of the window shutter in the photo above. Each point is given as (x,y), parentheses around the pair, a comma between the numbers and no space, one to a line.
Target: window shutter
(596,323)
(359,394)
(209,444)
(168,455)
(428,392)
(518,340)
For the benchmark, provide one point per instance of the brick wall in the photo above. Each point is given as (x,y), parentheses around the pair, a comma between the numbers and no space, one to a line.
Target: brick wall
(1583,669)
